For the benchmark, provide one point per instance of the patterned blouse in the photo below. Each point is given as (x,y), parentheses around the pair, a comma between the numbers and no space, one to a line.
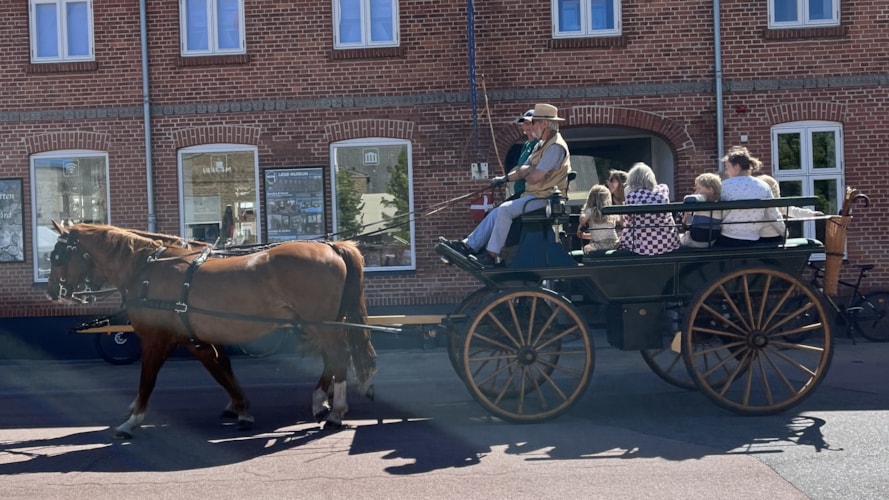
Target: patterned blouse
(649,234)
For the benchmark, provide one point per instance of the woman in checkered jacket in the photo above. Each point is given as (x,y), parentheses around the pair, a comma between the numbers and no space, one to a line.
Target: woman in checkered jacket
(647,234)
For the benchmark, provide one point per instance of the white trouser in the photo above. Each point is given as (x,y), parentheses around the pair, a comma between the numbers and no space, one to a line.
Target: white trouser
(492,231)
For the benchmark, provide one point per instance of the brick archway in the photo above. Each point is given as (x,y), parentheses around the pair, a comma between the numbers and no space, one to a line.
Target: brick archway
(216,134)
(358,129)
(804,111)
(57,141)
(672,131)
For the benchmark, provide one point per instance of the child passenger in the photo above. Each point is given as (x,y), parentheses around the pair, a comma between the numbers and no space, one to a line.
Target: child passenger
(647,233)
(703,227)
(599,227)
(774,231)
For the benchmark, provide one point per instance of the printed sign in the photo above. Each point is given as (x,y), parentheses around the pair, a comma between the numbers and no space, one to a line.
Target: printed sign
(12,243)
(294,199)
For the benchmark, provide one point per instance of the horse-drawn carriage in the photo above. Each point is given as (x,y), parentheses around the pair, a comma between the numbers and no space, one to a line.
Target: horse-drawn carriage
(736,323)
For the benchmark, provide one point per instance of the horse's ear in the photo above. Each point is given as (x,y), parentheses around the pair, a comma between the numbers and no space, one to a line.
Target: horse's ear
(59,228)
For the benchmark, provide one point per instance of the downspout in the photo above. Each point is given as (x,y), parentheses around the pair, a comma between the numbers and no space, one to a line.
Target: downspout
(146,116)
(470,41)
(717,50)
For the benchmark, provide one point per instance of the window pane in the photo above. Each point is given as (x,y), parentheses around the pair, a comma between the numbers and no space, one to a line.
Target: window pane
(792,188)
(381,21)
(827,191)
(820,10)
(78,29)
(824,150)
(350,21)
(785,11)
(229,24)
(602,15)
(373,198)
(569,15)
(197,37)
(211,183)
(789,154)
(67,188)
(47,30)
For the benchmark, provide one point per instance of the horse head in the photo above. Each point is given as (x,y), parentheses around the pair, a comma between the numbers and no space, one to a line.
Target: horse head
(72,276)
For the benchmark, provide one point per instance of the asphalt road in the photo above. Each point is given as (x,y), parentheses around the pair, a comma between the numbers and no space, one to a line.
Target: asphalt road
(630,436)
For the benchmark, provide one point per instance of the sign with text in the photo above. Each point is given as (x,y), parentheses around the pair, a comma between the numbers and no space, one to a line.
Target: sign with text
(294,200)
(12,241)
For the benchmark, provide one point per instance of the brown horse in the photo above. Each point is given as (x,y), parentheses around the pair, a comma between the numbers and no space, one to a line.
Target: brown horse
(176,295)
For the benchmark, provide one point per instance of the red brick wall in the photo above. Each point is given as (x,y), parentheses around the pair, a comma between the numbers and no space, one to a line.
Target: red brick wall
(295,96)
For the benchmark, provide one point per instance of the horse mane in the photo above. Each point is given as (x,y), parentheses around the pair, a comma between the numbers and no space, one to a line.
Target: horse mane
(168,239)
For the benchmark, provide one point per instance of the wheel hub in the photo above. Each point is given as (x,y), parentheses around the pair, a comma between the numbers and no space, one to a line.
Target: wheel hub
(527,356)
(757,339)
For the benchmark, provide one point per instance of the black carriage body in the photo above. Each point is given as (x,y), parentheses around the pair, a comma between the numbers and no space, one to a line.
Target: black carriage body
(634,290)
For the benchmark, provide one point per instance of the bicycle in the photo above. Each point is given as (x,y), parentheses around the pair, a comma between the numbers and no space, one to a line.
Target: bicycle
(866,313)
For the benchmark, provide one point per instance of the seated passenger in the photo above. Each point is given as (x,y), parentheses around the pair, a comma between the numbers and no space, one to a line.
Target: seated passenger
(616,181)
(647,234)
(741,227)
(703,227)
(594,226)
(774,231)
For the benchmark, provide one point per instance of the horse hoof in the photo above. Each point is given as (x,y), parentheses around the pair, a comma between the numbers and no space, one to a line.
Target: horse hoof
(370,393)
(228,414)
(123,435)
(321,415)
(245,425)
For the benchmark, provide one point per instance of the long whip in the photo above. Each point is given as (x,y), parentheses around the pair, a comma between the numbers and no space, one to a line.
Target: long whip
(491,126)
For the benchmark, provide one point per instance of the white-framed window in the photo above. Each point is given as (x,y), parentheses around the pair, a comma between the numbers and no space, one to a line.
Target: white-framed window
(365,23)
(373,200)
(219,195)
(61,30)
(808,161)
(803,13)
(70,184)
(585,18)
(210,27)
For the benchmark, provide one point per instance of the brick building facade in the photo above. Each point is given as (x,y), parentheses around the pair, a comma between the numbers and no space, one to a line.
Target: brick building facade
(291,91)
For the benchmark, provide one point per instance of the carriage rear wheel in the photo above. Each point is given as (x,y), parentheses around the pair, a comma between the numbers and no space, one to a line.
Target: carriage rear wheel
(752,319)
(527,355)
(667,362)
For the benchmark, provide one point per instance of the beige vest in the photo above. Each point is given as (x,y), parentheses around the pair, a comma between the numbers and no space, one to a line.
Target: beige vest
(555,177)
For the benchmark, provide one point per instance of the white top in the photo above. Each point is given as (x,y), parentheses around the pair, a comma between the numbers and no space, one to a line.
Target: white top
(745,224)
(776,227)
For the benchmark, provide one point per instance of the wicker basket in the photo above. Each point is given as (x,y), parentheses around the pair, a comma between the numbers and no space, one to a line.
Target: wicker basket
(836,248)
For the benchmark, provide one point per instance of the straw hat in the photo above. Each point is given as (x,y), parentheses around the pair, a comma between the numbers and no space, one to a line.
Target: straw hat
(546,112)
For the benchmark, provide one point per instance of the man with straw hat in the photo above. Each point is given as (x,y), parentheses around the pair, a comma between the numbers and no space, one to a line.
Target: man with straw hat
(547,167)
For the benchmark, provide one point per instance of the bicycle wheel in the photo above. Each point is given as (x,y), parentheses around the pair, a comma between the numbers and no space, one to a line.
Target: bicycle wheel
(118,348)
(872,321)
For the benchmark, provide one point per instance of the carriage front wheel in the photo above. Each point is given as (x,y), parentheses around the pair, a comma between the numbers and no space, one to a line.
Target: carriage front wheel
(527,354)
(769,330)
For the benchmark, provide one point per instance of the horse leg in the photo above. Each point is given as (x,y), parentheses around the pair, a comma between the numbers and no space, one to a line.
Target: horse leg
(219,365)
(155,351)
(340,404)
(321,395)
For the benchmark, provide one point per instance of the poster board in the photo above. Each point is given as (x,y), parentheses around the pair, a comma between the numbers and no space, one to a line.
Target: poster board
(12,241)
(294,203)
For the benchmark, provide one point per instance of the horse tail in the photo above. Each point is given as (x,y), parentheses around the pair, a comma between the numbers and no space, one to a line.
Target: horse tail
(353,308)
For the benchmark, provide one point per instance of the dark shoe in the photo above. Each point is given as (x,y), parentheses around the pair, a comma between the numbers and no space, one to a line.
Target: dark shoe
(459,247)
(488,260)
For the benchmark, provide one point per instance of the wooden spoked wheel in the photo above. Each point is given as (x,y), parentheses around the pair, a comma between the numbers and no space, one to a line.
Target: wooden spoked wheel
(456,336)
(771,334)
(527,355)
(669,365)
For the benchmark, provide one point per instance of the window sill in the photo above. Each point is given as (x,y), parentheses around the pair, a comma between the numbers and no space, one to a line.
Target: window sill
(219,60)
(376,53)
(588,42)
(805,33)
(63,67)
